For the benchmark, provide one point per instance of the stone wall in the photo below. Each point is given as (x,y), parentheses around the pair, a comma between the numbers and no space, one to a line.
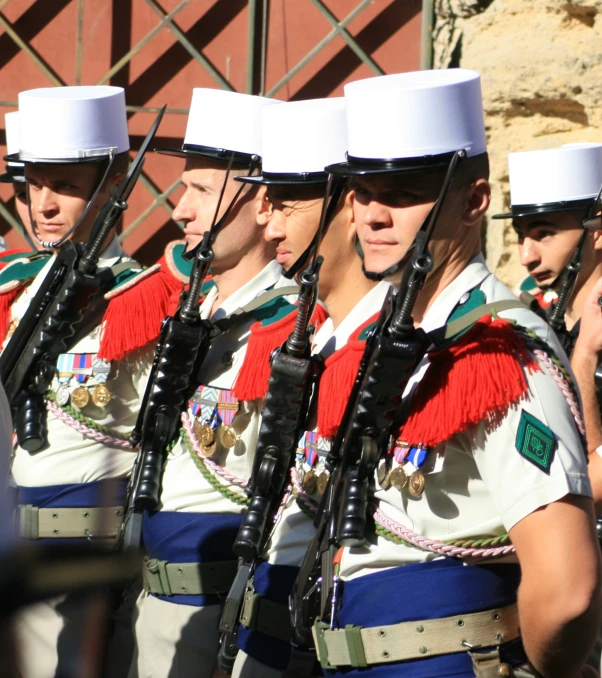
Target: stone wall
(541,67)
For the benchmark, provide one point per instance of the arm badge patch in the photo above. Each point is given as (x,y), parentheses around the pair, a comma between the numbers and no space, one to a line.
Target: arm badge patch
(535,442)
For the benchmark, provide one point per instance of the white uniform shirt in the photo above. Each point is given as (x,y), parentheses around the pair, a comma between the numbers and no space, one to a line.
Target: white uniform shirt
(294,530)
(70,457)
(184,488)
(484,486)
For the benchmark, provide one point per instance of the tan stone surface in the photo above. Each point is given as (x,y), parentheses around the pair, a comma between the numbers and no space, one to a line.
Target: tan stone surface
(541,67)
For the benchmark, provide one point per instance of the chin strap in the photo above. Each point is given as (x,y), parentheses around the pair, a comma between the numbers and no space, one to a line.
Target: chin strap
(332,196)
(53,245)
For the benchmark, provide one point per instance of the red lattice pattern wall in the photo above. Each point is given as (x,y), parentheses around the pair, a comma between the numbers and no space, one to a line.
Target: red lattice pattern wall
(159,50)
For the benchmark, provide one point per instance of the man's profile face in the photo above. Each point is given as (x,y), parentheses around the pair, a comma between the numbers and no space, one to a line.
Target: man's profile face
(546,243)
(203,179)
(388,211)
(294,220)
(59,195)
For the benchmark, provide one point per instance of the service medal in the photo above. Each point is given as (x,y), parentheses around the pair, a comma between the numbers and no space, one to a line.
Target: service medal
(416,484)
(323,482)
(62,395)
(80,397)
(101,396)
(205,434)
(228,437)
(208,450)
(398,478)
(383,475)
(310,481)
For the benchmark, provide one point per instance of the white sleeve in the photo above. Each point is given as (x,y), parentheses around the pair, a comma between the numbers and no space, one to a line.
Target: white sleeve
(520,472)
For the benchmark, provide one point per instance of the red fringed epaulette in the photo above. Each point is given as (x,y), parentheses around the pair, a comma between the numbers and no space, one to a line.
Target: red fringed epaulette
(252,380)
(336,382)
(6,301)
(135,312)
(478,378)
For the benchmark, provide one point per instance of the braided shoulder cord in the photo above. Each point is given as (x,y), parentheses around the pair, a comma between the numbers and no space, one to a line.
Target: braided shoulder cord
(86,426)
(557,371)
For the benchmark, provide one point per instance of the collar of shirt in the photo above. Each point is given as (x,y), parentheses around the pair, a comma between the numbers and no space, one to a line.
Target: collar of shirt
(472,276)
(265,279)
(328,340)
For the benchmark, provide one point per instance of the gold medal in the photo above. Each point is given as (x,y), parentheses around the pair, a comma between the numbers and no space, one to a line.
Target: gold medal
(101,396)
(80,397)
(383,475)
(323,481)
(208,450)
(205,434)
(310,481)
(228,437)
(416,485)
(398,478)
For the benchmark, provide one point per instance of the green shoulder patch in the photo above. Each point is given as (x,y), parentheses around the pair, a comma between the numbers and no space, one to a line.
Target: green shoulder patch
(535,442)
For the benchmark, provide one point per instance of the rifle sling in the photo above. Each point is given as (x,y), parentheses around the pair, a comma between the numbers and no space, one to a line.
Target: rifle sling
(461,324)
(241,314)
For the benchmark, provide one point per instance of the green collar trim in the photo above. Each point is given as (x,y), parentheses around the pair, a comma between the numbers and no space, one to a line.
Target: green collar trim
(8,256)
(25,267)
(528,284)
(273,311)
(363,335)
(179,267)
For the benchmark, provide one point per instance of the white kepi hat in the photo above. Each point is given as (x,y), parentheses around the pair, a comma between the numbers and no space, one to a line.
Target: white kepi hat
(221,125)
(411,121)
(15,171)
(72,124)
(552,180)
(299,139)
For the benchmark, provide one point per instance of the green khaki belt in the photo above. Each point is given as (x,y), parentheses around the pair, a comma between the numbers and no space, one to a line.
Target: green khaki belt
(59,523)
(192,579)
(262,615)
(358,646)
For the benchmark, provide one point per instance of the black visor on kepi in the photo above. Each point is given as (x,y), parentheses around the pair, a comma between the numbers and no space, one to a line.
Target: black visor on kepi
(367,166)
(287,179)
(518,211)
(221,154)
(17,157)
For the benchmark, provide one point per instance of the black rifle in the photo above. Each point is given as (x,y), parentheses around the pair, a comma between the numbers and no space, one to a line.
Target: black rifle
(293,375)
(71,293)
(182,348)
(393,351)
(556,317)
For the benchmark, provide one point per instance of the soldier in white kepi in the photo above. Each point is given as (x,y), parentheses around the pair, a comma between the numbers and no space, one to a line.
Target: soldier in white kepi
(299,190)
(485,458)
(15,173)
(188,539)
(553,195)
(552,191)
(72,458)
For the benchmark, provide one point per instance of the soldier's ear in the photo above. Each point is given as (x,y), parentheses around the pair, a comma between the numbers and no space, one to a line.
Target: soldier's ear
(597,239)
(478,197)
(263,207)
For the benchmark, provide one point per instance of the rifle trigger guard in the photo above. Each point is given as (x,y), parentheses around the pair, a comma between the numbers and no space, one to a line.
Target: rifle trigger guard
(369,456)
(267,468)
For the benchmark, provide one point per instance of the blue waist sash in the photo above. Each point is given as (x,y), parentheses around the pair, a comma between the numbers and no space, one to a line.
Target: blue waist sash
(109,492)
(180,537)
(432,590)
(275,583)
